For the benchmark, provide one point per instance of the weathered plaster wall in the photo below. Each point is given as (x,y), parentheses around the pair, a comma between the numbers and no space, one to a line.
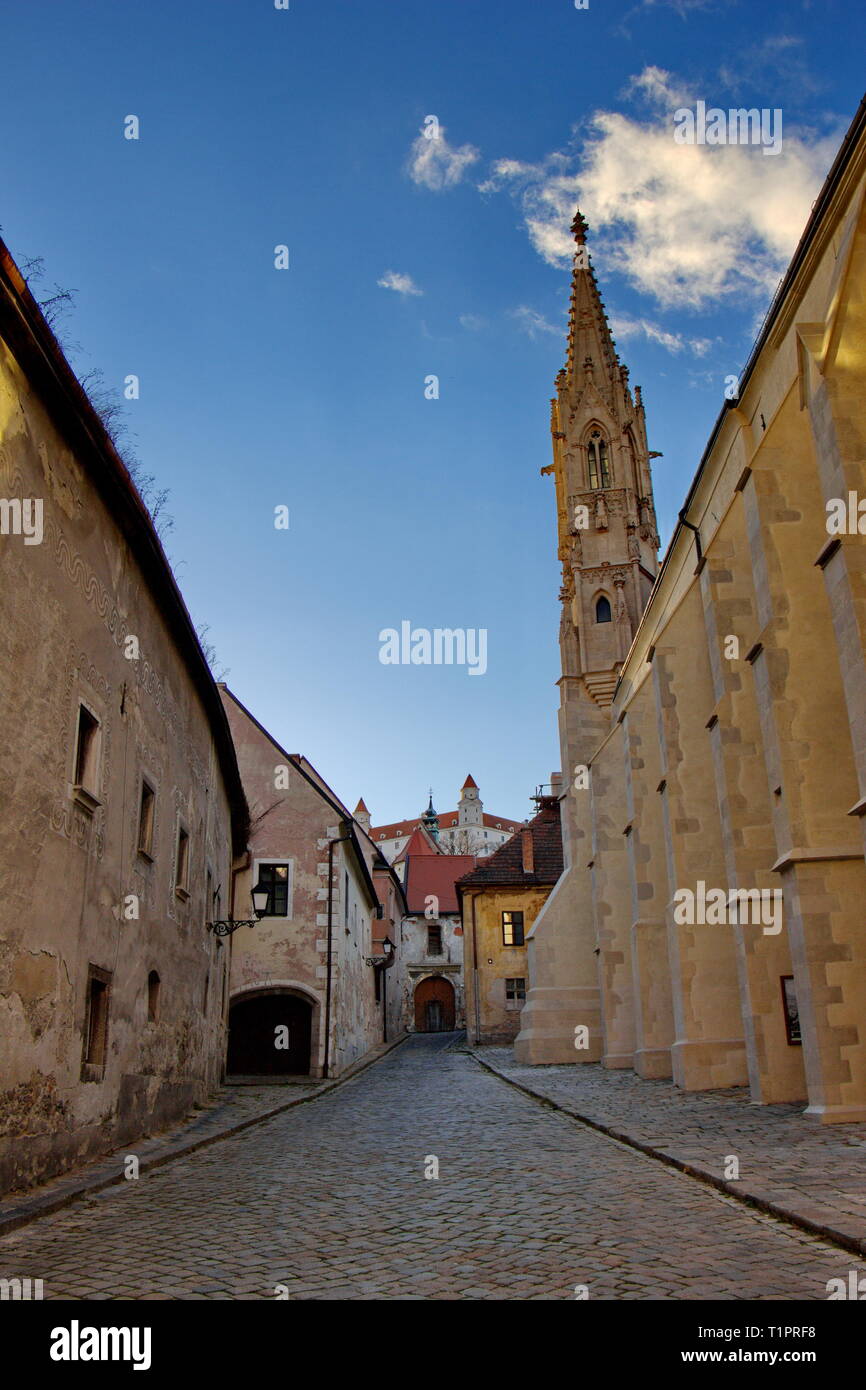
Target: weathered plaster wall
(69,873)
(291,821)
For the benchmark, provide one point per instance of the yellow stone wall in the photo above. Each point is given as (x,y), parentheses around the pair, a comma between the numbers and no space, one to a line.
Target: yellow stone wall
(489,1018)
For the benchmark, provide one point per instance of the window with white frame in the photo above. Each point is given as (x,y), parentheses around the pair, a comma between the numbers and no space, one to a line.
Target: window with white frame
(276,875)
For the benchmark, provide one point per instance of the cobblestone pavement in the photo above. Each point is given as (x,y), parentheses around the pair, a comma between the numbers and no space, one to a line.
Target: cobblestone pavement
(232,1107)
(816,1171)
(330,1199)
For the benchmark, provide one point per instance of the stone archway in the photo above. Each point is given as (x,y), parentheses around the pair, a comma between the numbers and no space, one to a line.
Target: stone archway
(434,1005)
(270,1034)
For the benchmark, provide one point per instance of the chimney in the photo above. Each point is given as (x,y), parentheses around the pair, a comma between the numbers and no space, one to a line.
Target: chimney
(526,846)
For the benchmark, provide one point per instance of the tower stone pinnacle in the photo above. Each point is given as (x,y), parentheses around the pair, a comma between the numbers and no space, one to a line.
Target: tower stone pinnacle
(608,541)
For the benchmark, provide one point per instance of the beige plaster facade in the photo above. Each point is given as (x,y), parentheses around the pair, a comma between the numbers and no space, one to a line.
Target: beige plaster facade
(120,792)
(301,835)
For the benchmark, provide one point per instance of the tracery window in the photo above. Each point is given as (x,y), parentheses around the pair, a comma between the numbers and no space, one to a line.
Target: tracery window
(599,463)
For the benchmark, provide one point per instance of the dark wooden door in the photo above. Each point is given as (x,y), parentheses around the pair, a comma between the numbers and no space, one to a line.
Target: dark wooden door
(435,1016)
(434,1006)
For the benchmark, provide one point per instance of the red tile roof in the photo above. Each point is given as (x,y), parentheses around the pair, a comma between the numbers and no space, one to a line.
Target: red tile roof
(506,865)
(434,875)
(419,842)
(470,782)
(448,820)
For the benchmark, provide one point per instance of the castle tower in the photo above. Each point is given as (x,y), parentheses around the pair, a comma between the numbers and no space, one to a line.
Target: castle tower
(470,806)
(362,815)
(608,547)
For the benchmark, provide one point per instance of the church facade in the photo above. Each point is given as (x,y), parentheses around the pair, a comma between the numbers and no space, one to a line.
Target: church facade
(708,925)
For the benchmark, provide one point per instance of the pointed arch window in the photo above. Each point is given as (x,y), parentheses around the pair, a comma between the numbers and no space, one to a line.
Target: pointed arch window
(598,459)
(602,610)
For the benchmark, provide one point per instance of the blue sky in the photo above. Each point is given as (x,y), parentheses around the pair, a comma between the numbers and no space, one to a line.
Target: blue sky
(305,387)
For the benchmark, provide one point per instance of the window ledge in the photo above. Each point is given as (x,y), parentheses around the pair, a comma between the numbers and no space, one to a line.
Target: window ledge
(91,1071)
(145,854)
(182,893)
(85,799)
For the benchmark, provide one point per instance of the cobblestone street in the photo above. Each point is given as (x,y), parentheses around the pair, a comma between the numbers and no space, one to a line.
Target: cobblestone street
(331,1200)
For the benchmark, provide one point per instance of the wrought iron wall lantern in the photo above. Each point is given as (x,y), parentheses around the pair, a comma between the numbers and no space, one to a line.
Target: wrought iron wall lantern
(387,958)
(261,897)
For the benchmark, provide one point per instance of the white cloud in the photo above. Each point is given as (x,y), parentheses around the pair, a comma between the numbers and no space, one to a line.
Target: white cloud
(688,225)
(397,280)
(623,326)
(781,59)
(473,323)
(434,163)
(533,323)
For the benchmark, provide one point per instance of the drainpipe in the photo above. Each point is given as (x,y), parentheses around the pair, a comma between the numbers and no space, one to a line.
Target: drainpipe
(240,864)
(697,535)
(475,974)
(339,841)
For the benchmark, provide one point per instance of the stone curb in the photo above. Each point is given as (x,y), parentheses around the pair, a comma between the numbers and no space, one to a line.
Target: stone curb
(815,1227)
(29,1208)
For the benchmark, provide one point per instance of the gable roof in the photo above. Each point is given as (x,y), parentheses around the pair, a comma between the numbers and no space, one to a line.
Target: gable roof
(506,865)
(419,842)
(435,875)
(347,826)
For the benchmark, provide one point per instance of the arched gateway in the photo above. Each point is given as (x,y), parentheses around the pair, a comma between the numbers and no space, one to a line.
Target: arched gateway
(434,1005)
(269,1034)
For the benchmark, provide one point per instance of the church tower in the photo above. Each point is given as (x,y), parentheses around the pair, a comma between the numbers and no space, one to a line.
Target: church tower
(608,549)
(608,542)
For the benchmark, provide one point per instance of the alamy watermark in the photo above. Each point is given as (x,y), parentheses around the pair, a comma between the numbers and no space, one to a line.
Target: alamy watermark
(22,516)
(439,646)
(718,907)
(738,126)
(846,517)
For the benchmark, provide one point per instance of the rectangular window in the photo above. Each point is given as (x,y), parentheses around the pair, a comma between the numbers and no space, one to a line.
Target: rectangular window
(276,878)
(87,750)
(434,939)
(145,820)
(96,1024)
(512,928)
(181,874)
(792,1012)
(515,989)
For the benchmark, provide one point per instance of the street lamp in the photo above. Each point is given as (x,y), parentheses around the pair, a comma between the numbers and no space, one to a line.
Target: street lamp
(381,964)
(382,961)
(261,897)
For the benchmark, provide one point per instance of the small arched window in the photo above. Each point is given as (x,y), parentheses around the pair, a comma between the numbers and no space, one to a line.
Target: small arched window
(602,610)
(599,464)
(152,997)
